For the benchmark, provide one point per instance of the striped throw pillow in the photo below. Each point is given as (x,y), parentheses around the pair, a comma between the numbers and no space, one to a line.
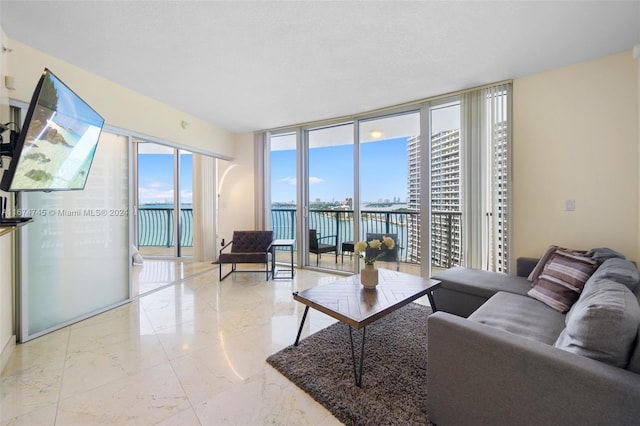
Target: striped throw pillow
(561,281)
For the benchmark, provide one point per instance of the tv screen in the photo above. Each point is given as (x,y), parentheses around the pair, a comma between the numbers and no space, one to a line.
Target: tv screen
(57,143)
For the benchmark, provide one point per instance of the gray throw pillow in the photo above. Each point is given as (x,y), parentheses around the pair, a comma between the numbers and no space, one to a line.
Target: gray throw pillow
(603,324)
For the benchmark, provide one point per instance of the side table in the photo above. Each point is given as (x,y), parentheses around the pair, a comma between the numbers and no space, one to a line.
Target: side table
(282,274)
(347,246)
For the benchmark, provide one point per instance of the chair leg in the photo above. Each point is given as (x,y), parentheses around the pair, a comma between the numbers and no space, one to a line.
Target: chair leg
(233,269)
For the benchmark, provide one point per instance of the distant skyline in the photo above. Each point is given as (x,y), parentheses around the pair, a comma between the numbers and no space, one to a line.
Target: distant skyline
(383,172)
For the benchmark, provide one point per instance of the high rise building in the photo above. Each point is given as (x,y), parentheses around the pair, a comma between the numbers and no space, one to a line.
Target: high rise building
(413,200)
(446,202)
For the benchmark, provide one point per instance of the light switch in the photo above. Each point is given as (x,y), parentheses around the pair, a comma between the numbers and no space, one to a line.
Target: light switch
(9,82)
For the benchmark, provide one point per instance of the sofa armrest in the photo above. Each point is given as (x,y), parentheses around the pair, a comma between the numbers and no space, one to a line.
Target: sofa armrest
(480,375)
(524,265)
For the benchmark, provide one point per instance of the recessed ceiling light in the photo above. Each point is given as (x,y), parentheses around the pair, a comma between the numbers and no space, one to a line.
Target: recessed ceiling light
(376,134)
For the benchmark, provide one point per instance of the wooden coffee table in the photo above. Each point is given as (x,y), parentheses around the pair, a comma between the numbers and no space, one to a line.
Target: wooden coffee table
(349,302)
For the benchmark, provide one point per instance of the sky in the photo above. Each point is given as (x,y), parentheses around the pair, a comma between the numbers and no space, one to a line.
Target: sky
(383,169)
(383,172)
(155,178)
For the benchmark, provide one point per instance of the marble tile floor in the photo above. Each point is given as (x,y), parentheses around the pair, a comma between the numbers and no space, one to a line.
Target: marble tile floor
(192,353)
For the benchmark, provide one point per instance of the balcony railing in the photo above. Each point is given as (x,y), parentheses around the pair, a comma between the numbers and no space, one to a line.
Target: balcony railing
(155,229)
(156,224)
(445,233)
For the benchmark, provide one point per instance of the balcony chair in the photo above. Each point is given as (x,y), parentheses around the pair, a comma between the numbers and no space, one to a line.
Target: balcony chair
(318,248)
(347,247)
(388,255)
(247,247)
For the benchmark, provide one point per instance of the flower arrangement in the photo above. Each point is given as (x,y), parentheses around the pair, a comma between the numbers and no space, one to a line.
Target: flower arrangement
(361,247)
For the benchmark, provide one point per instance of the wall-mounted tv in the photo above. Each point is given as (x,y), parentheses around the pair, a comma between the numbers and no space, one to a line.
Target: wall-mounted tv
(57,143)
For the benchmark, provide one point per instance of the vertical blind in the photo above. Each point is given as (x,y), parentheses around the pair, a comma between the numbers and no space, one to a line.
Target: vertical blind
(486,152)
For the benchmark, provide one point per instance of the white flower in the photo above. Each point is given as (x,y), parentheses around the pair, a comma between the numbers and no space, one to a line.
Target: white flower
(361,247)
(375,244)
(388,241)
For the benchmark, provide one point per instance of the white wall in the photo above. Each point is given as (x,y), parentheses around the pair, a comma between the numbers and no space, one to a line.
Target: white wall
(576,137)
(237,192)
(118,105)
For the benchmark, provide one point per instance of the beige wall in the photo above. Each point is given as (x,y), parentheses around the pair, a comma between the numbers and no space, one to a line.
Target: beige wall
(576,137)
(119,106)
(237,199)
(7,335)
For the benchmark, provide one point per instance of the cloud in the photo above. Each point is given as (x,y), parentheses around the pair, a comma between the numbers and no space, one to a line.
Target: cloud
(292,180)
(156,185)
(289,180)
(155,194)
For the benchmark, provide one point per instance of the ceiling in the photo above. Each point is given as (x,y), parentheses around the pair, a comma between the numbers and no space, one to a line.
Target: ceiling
(246,66)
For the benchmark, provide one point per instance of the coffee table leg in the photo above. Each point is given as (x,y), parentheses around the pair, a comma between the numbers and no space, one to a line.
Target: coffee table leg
(304,317)
(356,373)
(431,301)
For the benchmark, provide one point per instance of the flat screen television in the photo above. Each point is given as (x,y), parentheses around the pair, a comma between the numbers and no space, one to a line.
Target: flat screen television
(57,143)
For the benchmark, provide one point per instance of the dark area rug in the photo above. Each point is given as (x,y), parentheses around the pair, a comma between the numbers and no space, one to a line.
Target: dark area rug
(394,383)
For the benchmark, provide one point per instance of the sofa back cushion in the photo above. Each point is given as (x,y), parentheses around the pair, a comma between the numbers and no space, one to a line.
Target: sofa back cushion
(634,361)
(603,324)
(618,270)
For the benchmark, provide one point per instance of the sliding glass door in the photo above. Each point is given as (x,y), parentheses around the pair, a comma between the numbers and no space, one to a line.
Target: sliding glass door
(75,256)
(164,199)
(330,194)
(390,184)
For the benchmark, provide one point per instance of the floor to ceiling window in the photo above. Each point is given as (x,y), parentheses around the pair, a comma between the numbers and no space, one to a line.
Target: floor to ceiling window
(445,198)
(446,192)
(283,160)
(389,185)
(330,191)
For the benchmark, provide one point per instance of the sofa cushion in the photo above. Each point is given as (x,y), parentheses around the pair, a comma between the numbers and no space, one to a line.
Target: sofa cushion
(601,254)
(634,359)
(618,270)
(481,283)
(562,279)
(520,315)
(603,324)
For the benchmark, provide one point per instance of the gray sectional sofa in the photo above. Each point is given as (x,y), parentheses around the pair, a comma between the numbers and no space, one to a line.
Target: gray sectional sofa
(497,356)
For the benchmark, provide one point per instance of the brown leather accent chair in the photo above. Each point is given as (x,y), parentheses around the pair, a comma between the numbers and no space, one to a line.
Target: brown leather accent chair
(247,247)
